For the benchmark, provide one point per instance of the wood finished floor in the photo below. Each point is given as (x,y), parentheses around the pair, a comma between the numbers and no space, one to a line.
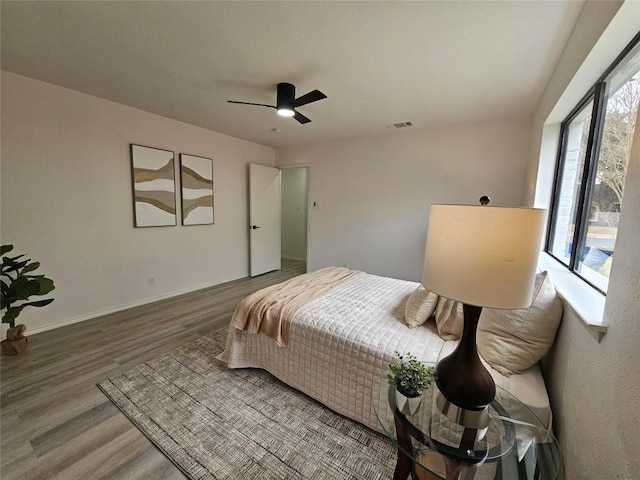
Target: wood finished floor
(56,424)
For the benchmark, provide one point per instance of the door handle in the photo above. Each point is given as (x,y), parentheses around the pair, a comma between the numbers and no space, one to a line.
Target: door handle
(253,227)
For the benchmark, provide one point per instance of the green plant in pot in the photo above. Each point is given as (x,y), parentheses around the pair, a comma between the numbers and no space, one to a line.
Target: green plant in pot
(410,378)
(18,285)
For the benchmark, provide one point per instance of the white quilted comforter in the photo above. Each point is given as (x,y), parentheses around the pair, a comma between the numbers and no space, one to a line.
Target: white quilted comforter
(341,345)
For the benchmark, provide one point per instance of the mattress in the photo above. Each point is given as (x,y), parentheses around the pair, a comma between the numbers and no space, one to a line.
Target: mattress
(341,345)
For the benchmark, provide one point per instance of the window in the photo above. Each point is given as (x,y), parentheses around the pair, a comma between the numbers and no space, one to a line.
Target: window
(595,146)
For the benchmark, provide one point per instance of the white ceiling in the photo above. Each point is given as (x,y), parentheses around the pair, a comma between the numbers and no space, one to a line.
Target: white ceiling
(378,62)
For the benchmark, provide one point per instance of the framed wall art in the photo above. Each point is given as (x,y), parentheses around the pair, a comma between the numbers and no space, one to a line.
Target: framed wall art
(154,186)
(196,177)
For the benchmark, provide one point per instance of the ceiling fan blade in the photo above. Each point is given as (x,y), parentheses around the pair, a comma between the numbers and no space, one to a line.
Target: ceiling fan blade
(313,96)
(301,118)
(247,103)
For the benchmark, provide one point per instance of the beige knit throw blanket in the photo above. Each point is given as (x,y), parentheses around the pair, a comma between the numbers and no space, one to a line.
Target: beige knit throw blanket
(271,309)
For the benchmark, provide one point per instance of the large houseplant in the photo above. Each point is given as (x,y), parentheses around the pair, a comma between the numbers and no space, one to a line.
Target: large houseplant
(410,378)
(18,285)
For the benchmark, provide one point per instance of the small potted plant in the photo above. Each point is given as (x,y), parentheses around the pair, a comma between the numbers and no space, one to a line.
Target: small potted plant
(410,378)
(18,285)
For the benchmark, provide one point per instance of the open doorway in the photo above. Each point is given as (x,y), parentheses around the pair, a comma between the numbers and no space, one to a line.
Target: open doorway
(294,198)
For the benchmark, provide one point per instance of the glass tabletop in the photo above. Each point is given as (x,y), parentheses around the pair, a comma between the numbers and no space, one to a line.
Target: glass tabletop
(515,445)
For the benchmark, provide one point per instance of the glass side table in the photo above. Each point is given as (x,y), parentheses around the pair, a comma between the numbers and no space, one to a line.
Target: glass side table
(515,446)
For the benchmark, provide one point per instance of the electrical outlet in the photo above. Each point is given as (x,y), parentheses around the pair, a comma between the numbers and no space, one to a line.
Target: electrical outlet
(151,280)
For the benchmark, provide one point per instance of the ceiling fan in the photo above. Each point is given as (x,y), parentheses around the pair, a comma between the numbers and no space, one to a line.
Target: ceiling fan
(286,101)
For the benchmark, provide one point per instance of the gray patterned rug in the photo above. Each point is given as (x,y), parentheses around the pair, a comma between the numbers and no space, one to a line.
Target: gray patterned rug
(216,423)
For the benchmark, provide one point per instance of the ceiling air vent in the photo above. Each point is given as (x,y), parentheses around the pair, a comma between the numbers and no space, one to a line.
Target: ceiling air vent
(403,125)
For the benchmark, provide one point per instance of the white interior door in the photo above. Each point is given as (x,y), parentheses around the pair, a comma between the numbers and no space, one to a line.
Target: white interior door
(264,219)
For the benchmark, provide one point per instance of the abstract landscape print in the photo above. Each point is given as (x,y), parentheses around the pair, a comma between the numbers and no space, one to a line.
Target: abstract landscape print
(196,176)
(154,186)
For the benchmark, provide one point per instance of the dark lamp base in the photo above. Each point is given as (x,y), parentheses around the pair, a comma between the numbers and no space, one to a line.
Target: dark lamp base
(461,377)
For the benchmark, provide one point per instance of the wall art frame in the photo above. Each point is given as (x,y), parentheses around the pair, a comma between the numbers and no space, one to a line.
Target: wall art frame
(154,186)
(196,183)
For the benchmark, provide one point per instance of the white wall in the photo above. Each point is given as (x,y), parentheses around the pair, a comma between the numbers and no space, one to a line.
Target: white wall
(66,201)
(294,212)
(595,387)
(374,193)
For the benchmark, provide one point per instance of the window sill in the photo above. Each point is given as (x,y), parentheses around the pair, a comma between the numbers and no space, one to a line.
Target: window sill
(585,301)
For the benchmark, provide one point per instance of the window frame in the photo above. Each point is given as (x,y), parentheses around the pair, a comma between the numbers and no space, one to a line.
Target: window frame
(599,95)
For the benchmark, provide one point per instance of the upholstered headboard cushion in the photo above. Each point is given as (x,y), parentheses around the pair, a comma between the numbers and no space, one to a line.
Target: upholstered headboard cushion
(513,340)
(419,306)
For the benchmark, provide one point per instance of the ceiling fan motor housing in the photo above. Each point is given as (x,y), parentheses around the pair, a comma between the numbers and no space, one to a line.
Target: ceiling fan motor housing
(286,96)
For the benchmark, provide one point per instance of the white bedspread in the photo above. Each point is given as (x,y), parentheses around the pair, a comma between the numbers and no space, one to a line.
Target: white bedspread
(341,344)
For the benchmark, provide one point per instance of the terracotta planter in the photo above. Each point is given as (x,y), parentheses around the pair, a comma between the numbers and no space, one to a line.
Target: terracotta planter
(15,342)
(408,405)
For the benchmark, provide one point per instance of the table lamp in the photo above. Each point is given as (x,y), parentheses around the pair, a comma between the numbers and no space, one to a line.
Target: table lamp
(481,256)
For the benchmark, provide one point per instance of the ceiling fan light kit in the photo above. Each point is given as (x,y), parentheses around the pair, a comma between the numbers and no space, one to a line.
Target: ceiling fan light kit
(286,101)
(286,112)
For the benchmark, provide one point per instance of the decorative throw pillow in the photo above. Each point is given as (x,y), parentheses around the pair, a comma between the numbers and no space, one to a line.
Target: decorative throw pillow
(513,340)
(419,306)
(449,318)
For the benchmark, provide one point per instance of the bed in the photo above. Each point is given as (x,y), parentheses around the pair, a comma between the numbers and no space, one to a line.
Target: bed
(340,343)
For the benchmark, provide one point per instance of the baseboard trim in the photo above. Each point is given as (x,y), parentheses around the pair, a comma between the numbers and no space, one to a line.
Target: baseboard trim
(127,306)
(294,258)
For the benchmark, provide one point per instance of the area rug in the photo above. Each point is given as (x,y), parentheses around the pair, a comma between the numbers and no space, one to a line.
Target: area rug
(217,423)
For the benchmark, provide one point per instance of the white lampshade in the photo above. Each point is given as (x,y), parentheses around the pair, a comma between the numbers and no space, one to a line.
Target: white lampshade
(481,255)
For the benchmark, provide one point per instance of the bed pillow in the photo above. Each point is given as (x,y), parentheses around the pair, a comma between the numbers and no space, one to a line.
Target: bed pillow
(449,318)
(513,340)
(419,306)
